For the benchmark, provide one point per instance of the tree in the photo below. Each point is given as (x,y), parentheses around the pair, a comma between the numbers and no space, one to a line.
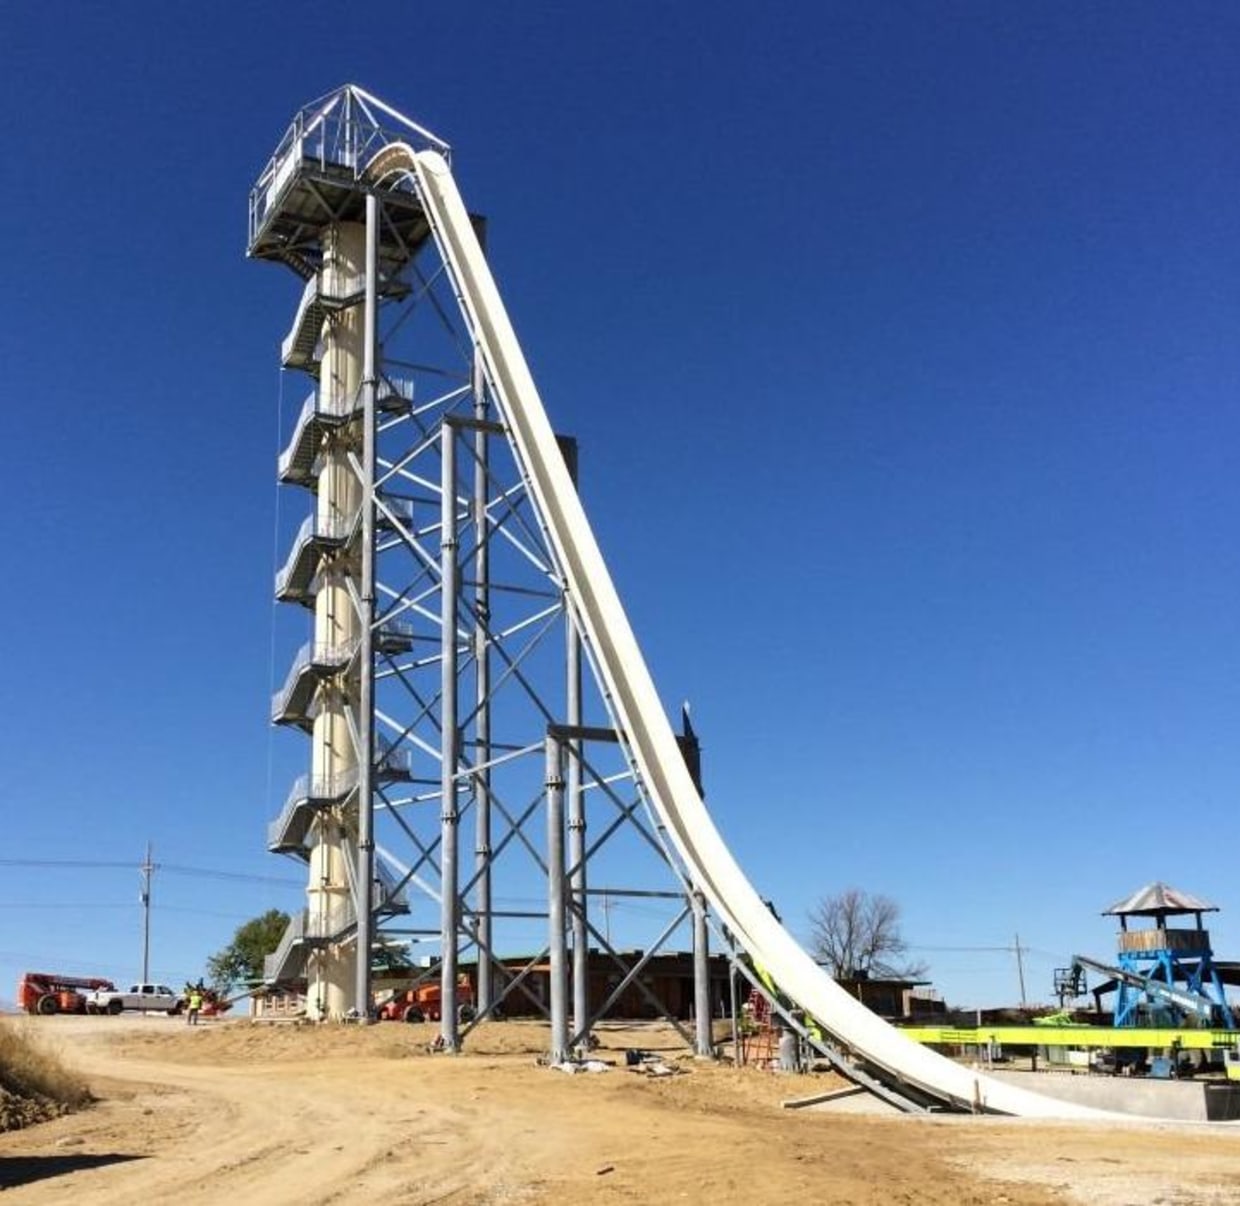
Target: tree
(242,958)
(856,933)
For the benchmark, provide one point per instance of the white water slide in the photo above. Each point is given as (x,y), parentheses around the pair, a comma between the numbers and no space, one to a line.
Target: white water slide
(709,865)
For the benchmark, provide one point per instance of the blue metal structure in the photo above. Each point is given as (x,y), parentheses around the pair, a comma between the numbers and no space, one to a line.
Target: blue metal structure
(1155,960)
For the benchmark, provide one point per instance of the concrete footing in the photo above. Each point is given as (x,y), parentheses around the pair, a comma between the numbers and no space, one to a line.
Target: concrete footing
(1182,1100)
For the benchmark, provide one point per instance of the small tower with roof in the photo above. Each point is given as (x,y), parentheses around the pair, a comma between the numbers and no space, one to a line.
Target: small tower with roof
(1164,956)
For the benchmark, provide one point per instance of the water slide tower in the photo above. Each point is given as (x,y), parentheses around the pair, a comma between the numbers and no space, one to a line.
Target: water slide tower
(471,669)
(455,750)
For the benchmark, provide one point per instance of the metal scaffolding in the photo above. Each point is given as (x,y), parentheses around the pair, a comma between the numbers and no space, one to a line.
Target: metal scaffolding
(444,676)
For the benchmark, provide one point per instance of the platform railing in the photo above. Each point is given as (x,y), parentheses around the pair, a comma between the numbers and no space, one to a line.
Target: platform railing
(1184,940)
(330,657)
(313,409)
(392,760)
(309,788)
(294,933)
(309,300)
(345,128)
(314,527)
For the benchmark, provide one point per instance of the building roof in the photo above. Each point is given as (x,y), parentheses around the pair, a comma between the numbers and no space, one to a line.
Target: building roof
(1157,899)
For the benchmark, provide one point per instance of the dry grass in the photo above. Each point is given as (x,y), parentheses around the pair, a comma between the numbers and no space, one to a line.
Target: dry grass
(34,1083)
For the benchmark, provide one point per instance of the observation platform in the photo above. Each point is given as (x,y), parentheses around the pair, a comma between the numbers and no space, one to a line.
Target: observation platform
(306,195)
(316,179)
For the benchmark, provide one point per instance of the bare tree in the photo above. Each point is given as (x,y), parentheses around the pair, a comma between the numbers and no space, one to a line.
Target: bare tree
(856,933)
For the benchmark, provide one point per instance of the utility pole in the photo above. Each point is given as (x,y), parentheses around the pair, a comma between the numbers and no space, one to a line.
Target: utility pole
(1020,970)
(146,868)
(607,907)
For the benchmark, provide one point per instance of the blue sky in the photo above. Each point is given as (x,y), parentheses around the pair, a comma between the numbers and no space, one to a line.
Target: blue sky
(900,343)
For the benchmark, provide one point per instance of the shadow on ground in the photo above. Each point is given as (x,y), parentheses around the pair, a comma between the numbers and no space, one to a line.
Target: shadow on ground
(22,1170)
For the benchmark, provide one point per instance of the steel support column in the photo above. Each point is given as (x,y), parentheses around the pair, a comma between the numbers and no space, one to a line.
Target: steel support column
(705,1045)
(557,938)
(482,673)
(366,687)
(579,918)
(577,842)
(449,742)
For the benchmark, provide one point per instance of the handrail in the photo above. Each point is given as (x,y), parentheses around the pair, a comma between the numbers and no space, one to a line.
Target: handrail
(322,655)
(314,527)
(315,408)
(395,387)
(392,759)
(310,787)
(309,298)
(294,933)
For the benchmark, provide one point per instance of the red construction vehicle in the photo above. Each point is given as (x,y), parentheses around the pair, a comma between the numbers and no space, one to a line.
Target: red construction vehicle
(423,1003)
(49,992)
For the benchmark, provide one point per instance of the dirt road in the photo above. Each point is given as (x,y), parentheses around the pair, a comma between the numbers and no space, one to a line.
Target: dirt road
(241,1113)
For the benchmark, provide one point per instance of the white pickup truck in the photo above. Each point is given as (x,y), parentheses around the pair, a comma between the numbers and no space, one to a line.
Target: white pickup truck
(138,996)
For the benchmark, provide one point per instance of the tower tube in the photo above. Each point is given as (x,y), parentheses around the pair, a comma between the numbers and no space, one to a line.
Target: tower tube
(331,969)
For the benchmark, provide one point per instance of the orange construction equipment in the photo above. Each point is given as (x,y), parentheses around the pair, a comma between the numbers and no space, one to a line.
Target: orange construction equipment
(423,1003)
(50,992)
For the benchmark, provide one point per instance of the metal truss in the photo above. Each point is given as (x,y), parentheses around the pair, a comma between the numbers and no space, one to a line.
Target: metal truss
(480,803)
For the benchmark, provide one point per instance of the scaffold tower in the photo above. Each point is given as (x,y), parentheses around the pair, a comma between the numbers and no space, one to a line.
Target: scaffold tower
(468,791)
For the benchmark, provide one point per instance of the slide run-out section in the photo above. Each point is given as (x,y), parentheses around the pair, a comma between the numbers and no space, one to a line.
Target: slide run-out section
(631,694)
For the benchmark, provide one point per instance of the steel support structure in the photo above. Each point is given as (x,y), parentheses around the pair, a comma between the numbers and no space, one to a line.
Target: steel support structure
(704,1044)
(557,914)
(450,754)
(481,780)
(446,675)
(366,679)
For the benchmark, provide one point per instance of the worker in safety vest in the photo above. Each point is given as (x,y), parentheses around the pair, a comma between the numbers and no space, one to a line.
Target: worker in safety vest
(195,1005)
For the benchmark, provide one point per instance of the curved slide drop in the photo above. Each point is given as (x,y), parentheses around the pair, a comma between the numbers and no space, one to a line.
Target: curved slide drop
(631,694)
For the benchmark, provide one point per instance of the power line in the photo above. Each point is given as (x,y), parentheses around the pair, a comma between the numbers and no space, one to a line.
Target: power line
(203,913)
(994,950)
(63,862)
(236,876)
(963,949)
(174,868)
(60,904)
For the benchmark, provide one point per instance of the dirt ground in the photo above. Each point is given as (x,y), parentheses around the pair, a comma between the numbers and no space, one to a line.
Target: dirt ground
(240,1112)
